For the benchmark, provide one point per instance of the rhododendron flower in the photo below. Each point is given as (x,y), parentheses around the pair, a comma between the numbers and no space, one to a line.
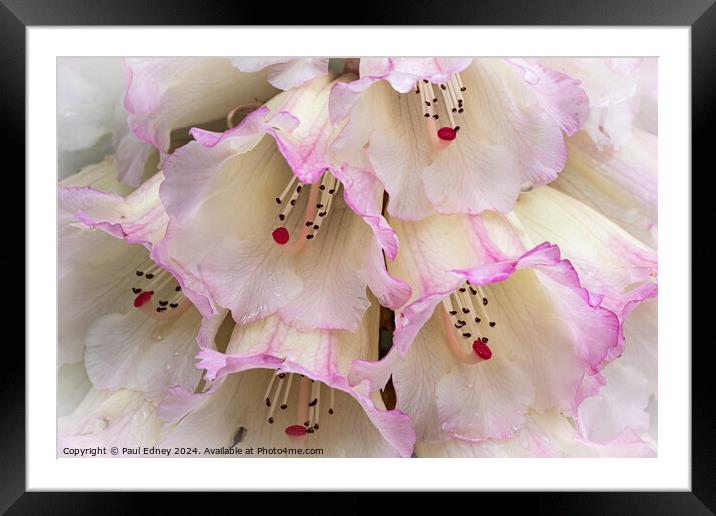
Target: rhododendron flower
(277,386)
(456,135)
(125,316)
(498,329)
(259,224)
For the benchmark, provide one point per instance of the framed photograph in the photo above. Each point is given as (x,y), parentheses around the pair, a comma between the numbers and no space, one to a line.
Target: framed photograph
(416,257)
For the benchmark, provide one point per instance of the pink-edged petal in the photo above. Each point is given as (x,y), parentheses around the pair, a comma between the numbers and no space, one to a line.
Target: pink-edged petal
(284,73)
(631,381)
(192,168)
(170,93)
(344,96)
(131,159)
(612,96)
(134,352)
(137,218)
(364,195)
(609,260)
(403,72)
(214,332)
(306,146)
(561,96)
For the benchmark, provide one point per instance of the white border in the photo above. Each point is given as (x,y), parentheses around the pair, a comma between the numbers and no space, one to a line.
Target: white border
(671,470)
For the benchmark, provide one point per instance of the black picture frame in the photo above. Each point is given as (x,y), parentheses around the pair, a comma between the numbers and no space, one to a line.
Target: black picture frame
(16,15)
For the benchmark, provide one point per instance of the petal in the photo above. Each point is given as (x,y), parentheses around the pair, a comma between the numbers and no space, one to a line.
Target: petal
(561,96)
(122,418)
(611,97)
(131,159)
(133,352)
(364,195)
(170,93)
(250,277)
(284,73)
(306,145)
(622,185)
(525,122)
(137,218)
(631,381)
(394,153)
(98,280)
(609,260)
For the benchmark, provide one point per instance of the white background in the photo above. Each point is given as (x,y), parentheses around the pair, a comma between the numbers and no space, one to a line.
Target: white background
(671,470)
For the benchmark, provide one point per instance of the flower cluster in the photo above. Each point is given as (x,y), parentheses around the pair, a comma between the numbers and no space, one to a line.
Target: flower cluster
(231,272)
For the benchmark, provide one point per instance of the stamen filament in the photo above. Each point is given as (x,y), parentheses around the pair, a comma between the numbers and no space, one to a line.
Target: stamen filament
(462,356)
(268,390)
(284,402)
(276,394)
(448,105)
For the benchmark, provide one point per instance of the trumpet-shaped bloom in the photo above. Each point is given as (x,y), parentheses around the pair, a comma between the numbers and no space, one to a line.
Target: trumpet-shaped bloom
(500,324)
(456,136)
(123,313)
(260,225)
(277,386)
